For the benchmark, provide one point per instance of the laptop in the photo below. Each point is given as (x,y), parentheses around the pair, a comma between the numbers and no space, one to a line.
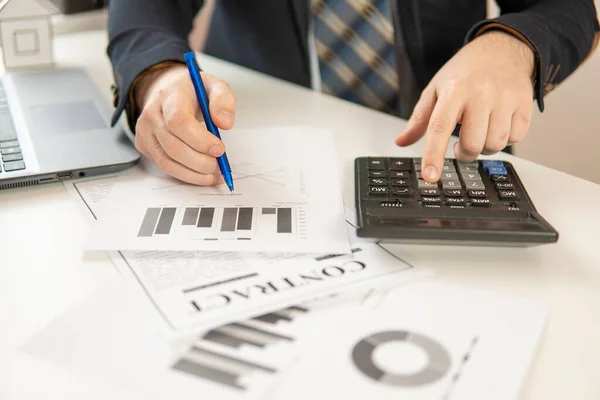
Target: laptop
(55,125)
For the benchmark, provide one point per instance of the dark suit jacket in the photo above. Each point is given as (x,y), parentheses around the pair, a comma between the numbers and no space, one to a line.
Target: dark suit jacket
(270,36)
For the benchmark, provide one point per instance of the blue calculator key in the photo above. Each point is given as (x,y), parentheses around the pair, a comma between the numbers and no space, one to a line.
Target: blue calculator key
(497,171)
(492,163)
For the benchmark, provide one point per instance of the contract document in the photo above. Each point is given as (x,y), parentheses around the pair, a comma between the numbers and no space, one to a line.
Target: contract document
(287,198)
(198,290)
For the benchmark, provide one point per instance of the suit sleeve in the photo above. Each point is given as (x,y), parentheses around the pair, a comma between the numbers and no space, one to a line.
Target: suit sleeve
(562,33)
(143,34)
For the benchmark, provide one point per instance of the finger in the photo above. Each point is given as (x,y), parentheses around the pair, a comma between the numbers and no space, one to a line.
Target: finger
(179,151)
(473,132)
(221,101)
(498,131)
(417,124)
(520,123)
(441,125)
(179,117)
(175,169)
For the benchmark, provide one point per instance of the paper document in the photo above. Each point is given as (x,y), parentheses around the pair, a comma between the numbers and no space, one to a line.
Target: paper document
(287,199)
(198,290)
(422,340)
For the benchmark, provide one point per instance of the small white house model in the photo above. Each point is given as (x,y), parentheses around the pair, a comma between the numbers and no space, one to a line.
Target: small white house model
(26,33)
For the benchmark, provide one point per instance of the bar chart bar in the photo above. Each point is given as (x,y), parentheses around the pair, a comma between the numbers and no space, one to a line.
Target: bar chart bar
(267,211)
(206,217)
(165,221)
(149,222)
(190,216)
(212,374)
(273,318)
(227,362)
(223,339)
(229,219)
(284,220)
(244,219)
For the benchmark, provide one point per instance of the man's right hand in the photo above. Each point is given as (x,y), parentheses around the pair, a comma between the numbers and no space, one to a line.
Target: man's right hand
(170,130)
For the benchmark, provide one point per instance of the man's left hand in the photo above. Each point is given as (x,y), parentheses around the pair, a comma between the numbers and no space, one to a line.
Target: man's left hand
(487,88)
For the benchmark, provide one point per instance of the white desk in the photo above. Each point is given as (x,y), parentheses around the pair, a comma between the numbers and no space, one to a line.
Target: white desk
(43,270)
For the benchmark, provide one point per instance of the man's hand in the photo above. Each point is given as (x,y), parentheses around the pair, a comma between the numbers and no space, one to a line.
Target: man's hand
(487,88)
(170,131)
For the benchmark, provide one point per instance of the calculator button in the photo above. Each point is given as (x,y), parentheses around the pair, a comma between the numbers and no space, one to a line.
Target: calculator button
(448,161)
(448,168)
(399,174)
(470,176)
(400,182)
(14,166)
(504,185)
(468,168)
(500,178)
(476,193)
(379,190)
(454,192)
(491,163)
(451,184)
(469,164)
(376,174)
(431,200)
(456,201)
(402,192)
(400,164)
(417,166)
(507,195)
(378,181)
(474,185)
(376,163)
(426,185)
(480,202)
(449,175)
(497,171)
(430,192)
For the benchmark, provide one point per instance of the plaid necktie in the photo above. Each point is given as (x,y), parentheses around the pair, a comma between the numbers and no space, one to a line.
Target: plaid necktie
(355,46)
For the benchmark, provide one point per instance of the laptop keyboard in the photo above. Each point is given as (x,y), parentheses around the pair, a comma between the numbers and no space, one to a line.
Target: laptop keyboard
(12,158)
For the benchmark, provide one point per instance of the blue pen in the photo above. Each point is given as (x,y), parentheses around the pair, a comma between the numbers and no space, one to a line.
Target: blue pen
(190,60)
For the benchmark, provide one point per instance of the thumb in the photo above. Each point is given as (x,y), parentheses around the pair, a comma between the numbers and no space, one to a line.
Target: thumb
(221,101)
(417,124)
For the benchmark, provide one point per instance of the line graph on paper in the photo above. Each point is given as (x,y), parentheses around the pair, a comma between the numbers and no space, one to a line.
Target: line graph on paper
(251,178)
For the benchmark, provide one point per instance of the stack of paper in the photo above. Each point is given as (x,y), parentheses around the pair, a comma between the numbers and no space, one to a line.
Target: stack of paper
(267,293)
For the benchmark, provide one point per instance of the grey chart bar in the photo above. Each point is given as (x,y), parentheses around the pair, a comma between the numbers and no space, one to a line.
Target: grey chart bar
(203,371)
(223,339)
(149,222)
(271,211)
(190,216)
(166,220)
(284,220)
(229,219)
(273,318)
(244,219)
(206,217)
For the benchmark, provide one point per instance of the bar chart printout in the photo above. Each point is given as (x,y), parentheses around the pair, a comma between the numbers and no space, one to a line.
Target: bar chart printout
(224,223)
(240,354)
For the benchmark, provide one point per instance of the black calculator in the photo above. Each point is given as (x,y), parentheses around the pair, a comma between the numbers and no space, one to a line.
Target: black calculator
(479,203)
